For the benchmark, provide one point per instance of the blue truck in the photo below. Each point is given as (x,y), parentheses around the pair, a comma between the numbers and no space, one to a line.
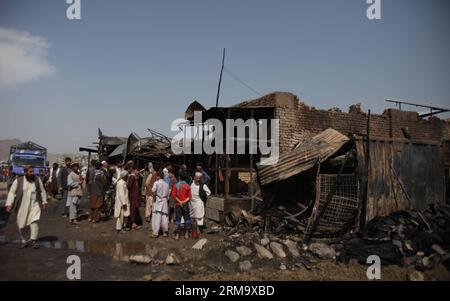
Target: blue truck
(28,153)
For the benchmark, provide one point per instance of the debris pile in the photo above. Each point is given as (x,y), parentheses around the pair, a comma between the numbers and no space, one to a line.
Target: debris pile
(407,238)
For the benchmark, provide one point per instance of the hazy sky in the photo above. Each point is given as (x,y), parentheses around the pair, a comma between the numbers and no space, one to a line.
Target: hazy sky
(131,65)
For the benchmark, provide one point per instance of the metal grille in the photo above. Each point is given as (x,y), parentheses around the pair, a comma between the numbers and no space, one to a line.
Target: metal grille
(342,208)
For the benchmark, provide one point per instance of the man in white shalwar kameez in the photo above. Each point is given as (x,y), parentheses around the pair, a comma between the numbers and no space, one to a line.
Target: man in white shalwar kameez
(26,196)
(160,209)
(122,204)
(197,204)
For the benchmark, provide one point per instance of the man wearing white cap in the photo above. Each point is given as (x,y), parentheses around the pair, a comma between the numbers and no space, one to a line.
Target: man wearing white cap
(200,193)
(160,210)
(122,205)
(26,197)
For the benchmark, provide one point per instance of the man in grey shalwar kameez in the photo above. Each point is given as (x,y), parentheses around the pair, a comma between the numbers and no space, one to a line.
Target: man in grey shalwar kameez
(25,197)
(160,209)
(74,184)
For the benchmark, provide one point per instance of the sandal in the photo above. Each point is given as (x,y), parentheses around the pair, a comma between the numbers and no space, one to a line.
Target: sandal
(35,244)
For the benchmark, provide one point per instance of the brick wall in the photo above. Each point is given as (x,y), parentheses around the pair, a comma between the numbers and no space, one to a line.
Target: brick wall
(299,122)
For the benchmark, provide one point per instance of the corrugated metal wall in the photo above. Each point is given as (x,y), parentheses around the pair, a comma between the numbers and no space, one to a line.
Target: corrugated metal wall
(402,175)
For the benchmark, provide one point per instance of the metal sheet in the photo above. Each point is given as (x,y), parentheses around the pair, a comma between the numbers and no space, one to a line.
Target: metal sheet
(303,157)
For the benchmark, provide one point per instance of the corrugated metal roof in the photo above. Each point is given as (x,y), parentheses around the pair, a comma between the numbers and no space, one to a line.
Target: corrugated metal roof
(118,151)
(303,157)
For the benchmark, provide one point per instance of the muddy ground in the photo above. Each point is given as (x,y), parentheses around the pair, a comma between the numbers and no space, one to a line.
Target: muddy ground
(105,255)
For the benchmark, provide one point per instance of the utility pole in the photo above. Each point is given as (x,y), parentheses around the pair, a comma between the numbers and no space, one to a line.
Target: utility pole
(217,104)
(220,78)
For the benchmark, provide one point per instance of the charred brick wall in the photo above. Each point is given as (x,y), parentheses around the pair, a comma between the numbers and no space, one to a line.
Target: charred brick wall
(299,122)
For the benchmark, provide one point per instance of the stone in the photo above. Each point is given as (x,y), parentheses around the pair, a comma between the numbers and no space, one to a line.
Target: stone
(140,259)
(265,241)
(277,248)
(263,252)
(199,244)
(322,250)
(292,247)
(147,277)
(244,251)
(172,259)
(438,249)
(416,276)
(245,265)
(232,255)
(283,267)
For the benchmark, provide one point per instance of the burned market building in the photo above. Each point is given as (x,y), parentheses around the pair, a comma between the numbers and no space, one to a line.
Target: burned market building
(336,170)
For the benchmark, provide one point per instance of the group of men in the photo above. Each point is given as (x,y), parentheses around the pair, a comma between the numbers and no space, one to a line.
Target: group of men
(169,198)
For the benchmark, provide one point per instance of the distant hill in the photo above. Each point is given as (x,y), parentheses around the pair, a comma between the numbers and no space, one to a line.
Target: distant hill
(4,148)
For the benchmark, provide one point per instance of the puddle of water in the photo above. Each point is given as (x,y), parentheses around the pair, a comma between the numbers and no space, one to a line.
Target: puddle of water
(119,251)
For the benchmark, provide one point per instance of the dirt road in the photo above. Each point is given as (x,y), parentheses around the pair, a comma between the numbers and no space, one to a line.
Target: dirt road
(105,255)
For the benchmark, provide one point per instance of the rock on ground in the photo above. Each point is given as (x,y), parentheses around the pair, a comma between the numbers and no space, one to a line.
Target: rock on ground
(244,251)
(292,247)
(265,241)
(245,265)
(263,252)
(232,255)
(322,250)
(416,276)
(172,259)
(199,245)
(140,259)
(278,249)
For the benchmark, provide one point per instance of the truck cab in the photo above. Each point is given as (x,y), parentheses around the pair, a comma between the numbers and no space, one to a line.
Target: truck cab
(25,154)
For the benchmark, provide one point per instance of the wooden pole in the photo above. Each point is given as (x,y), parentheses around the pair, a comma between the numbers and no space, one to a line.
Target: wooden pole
(250,190)
(365,184)
(220,78)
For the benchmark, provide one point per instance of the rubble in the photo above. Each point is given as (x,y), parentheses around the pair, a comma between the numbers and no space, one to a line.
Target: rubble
(263,252)
(245,265)
(404,237)
(277,248)
(244,251)
(265,241)
(232,255)
(292,247)
(199,244)
(322,250)
(172,259)
(416,276)
(140,259)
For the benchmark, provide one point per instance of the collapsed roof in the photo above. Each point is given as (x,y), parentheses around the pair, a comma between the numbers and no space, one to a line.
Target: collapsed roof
(303,157)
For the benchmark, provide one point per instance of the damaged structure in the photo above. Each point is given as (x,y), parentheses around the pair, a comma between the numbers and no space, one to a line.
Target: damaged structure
(336,170)
(154,148)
